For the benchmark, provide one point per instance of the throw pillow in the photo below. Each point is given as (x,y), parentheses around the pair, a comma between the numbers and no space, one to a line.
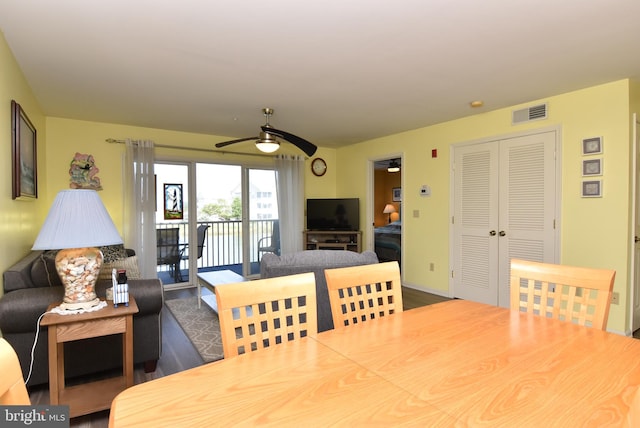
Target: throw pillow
(111,253)
(130,264)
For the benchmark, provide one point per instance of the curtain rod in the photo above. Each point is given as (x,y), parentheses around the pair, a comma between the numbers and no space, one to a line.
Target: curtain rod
(224,152)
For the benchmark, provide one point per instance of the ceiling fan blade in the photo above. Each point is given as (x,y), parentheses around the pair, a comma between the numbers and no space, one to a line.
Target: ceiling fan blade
(239,140)
(301,143)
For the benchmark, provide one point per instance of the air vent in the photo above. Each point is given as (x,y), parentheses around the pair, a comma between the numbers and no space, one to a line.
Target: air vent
(529,114)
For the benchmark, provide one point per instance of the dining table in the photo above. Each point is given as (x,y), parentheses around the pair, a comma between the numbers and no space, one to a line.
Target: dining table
(455,363)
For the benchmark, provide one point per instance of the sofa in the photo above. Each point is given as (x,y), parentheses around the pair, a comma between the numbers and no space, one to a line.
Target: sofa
(316,261)
(32,284)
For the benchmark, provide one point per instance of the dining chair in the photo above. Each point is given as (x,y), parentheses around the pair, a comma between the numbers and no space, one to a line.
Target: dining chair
(360,293)
(266,312)
(12,388)
(576,294)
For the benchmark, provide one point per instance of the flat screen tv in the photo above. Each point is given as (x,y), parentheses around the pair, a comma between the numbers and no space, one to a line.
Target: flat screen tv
(333,214)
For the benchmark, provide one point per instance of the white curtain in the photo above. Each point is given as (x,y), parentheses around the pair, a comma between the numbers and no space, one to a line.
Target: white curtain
(140,216)
(290,187)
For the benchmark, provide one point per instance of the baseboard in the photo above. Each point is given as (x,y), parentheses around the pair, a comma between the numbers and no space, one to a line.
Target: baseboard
(441,293)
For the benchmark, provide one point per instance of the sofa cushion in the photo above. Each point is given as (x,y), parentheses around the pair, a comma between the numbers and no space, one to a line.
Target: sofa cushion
(43,270)
(130,264)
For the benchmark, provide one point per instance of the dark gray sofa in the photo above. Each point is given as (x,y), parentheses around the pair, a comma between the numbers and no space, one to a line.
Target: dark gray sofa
(32,284)
(315,261)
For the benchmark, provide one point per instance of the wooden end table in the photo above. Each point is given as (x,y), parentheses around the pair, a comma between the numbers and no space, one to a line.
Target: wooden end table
(98,395)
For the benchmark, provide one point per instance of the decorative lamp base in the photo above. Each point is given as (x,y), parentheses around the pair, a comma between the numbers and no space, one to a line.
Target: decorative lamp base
(78,269)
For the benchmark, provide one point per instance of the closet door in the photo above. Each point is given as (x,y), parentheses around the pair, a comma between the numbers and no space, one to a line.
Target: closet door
(504,207)
(475,222)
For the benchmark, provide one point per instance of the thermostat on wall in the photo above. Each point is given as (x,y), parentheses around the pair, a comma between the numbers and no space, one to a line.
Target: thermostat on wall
(425,190)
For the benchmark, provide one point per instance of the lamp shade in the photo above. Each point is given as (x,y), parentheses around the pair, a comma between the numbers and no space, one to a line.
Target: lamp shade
(389,208)
(77,219)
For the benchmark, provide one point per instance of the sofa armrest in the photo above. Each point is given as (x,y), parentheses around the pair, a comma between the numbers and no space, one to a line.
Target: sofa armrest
(148,293)
(20,309)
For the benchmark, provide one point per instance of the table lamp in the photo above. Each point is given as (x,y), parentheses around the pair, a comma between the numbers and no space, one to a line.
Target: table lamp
(77,222)
(388,209)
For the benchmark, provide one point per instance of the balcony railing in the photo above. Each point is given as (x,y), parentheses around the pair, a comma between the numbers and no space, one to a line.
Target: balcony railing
(223,244)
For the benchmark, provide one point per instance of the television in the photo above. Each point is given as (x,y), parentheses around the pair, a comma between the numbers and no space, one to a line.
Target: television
(333,214)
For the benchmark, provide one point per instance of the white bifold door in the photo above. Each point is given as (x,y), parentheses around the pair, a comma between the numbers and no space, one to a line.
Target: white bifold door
(504,206)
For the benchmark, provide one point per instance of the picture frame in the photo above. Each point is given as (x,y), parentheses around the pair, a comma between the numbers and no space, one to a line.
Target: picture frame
(24,168)
(592,167)
(592,146)
(592,189)
(173,201)
(396,194)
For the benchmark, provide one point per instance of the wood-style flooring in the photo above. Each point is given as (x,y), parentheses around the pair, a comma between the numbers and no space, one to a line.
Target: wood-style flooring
(179,354)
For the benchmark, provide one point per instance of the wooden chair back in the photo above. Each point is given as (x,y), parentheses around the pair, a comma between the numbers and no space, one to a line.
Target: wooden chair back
(265,312)
(360,293)
(569,293)
(12,388)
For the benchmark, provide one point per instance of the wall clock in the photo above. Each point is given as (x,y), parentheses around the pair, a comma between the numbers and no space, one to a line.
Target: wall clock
(318,167)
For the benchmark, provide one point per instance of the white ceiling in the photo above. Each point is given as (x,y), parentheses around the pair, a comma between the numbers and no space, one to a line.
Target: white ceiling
(335,71)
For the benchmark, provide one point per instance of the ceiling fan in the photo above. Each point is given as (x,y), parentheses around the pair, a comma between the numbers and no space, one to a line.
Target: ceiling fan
(267,141)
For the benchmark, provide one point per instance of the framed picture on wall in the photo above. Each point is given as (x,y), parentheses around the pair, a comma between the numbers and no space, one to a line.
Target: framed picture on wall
(592,189)
(23,150)
(173,202)
(396,194)
(592,167)
(592,146)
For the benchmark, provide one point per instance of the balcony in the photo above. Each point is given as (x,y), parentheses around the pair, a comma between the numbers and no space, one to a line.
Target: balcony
(222,249)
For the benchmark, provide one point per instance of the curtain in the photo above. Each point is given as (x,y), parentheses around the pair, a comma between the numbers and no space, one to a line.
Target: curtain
(290,188)
(140,216)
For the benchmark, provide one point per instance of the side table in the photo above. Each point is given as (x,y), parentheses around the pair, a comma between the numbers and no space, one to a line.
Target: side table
(98,395)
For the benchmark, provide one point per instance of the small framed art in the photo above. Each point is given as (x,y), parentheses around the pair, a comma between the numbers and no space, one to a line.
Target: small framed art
(592,146)
(173,202)
(396,194)
(23,149)
(592,167)
(592,189)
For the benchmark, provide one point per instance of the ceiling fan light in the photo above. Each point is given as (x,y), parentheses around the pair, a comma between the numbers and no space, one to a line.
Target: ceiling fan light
(267,146)
(393,166)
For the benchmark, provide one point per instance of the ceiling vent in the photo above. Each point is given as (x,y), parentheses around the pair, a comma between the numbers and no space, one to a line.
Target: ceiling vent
(529,114)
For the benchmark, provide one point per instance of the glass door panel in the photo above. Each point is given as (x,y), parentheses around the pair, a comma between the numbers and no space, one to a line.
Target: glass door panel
(264,233)
(172,220)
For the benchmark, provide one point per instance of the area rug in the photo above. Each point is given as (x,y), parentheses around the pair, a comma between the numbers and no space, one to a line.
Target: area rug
(201,326)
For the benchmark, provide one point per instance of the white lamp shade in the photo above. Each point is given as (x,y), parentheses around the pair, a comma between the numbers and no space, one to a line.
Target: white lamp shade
(389,208)
(77,219)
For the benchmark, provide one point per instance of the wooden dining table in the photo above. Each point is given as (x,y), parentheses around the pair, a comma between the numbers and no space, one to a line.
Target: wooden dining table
(456,363)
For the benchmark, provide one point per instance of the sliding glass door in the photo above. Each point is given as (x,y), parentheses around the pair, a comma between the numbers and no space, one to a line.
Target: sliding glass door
(234,223)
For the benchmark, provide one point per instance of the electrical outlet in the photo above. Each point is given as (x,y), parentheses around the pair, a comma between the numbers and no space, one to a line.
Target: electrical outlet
(615,298)
(432,267)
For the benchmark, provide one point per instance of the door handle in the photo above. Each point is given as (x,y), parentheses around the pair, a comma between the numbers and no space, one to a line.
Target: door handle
(502,233)
(636,239)
(492,233)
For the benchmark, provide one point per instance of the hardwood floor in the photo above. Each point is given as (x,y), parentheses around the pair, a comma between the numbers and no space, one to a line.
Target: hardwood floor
(179,354)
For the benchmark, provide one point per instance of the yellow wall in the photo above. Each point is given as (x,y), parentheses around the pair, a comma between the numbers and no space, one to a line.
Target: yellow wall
(594,232)
(19,220)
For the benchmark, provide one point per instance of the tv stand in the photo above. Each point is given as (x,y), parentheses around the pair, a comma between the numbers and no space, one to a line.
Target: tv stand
(333,240)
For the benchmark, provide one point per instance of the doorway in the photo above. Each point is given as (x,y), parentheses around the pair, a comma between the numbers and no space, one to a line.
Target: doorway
(387,209)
